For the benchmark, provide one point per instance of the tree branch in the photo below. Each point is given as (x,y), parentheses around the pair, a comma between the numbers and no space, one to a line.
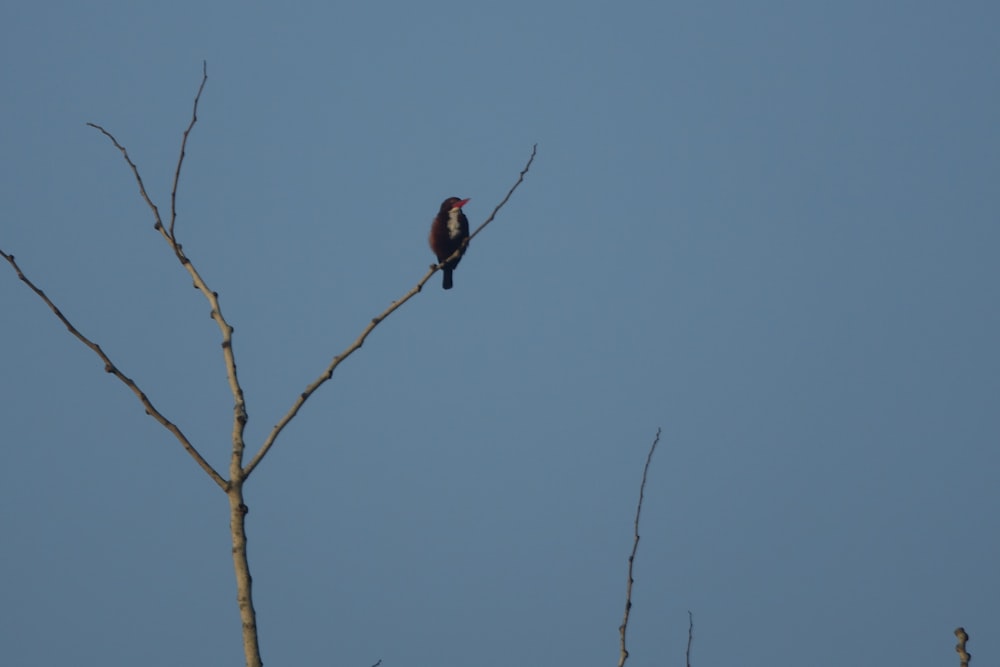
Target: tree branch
(110,367)
(184,140)
(635,547)
(687,654)
(356,345)
(520,179)
(240,415)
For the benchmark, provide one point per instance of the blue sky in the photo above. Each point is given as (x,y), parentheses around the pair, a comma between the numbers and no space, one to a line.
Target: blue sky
(770,228)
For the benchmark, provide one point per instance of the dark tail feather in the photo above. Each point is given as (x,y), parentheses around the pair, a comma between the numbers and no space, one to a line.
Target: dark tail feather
(447,278)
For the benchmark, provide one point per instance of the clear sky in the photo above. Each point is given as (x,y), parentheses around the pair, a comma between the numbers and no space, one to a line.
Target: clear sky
(770,228)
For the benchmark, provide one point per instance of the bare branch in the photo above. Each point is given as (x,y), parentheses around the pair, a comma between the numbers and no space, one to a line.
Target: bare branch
(356,345)
(635,547)
(135,171)
(180,160)
(520,179)
(687,654)
(110,367)
(239,407)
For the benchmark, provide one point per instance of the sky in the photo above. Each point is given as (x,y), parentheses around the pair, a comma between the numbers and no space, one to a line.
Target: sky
(770,229)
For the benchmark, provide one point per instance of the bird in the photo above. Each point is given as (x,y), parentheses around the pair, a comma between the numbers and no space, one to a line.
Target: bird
(448,231)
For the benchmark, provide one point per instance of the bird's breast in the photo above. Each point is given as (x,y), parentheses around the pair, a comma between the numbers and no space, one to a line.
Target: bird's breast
(454,224)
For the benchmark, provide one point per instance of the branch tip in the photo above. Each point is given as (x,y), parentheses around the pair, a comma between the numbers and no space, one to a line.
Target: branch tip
(635,546)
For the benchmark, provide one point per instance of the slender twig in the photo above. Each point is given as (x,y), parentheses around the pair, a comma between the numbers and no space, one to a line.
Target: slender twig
(963,655)
(635,547)
(520,179)
(687,654)
(110,367)
(184,140)
(135,172)
(356,345)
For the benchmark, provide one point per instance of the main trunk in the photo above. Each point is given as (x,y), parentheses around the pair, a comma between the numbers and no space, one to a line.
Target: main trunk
(244,582)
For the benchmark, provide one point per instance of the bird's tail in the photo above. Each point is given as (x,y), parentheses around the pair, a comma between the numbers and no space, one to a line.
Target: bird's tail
(447,278)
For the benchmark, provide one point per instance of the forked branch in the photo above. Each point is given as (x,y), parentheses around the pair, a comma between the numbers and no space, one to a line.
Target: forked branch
(169,235)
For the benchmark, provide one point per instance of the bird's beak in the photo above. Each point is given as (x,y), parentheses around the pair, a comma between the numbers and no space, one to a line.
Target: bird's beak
(461,203)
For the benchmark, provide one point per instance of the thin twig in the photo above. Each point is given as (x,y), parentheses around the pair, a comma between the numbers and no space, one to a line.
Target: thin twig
(635,547)
(520,179)
(356,345)
(110,367)
(687,654)
(184,140)
(135,172)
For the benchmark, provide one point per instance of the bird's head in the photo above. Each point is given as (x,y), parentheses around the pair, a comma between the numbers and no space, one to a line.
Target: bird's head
(451,203)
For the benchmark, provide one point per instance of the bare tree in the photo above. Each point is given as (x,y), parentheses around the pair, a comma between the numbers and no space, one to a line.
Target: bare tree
(239,469)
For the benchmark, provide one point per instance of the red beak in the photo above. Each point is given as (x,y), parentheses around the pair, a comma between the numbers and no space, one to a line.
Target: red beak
(462,203)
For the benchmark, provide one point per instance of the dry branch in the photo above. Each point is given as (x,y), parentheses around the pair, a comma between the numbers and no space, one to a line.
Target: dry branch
(110,367)
(240,415)
(687,654)
(635,547)
(234,487)
(184,140)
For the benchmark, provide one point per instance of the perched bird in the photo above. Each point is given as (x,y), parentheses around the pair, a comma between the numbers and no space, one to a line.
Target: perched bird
(449,229)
